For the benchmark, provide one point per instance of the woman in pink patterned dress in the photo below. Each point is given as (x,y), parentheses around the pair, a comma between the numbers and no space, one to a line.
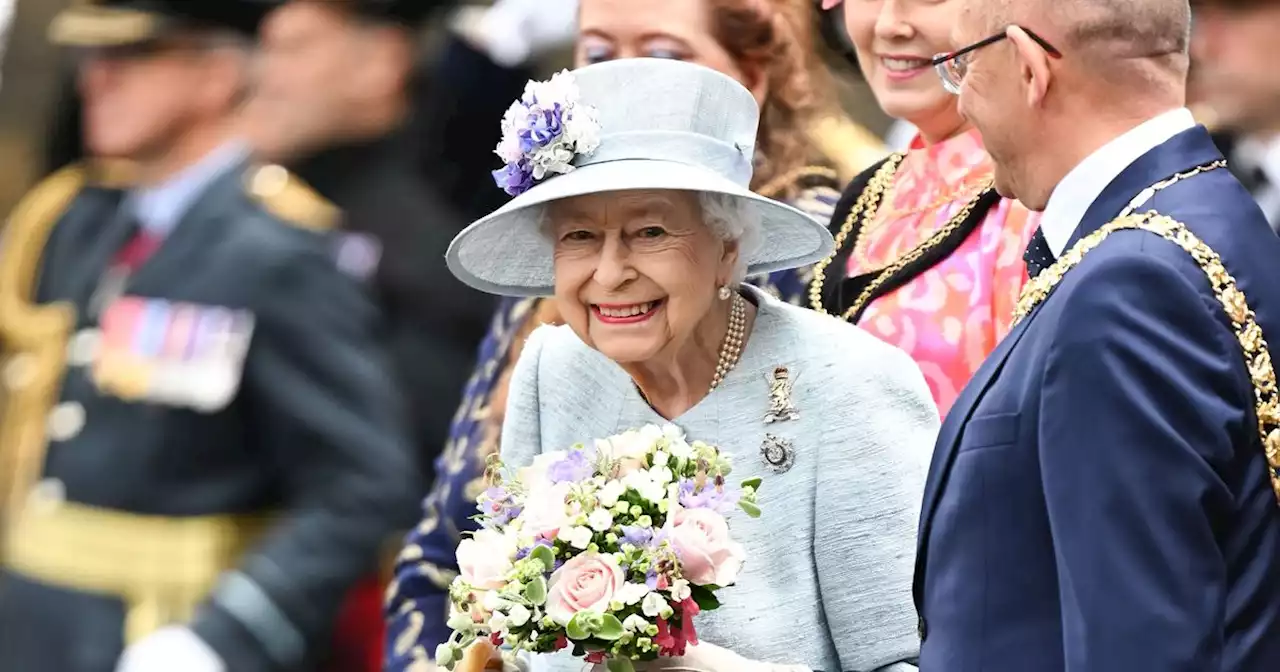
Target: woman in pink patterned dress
(928,255)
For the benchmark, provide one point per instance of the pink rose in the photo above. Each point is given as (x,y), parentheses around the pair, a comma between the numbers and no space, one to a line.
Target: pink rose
(585,583)
(708,556)
(546,510)
(484,559)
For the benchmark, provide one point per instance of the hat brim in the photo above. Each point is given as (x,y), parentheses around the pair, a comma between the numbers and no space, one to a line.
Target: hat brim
(104,27)
(508,253)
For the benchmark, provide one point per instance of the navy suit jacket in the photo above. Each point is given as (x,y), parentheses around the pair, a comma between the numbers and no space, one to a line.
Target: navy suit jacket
(1098,499)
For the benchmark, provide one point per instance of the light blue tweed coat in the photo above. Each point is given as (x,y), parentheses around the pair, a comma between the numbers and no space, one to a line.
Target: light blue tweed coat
(827,582)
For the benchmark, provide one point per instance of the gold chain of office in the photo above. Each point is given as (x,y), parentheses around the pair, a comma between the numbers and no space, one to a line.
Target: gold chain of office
(1249,335)
(865,210)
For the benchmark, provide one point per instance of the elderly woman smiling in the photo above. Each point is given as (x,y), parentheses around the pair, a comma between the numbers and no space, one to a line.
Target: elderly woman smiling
(639,220)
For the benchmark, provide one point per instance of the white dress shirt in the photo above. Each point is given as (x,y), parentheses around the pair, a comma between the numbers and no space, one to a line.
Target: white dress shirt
(1082,186)
(160,207)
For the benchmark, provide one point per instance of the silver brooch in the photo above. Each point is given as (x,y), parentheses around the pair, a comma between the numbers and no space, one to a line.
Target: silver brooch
(777,453)
(780,406)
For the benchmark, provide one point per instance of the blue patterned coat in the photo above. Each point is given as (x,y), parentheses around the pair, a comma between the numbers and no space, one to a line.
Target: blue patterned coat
(417,599)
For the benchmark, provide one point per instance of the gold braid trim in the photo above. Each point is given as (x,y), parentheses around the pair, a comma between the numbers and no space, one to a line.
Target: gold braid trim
(34,336)
(1252,343)
(867,207)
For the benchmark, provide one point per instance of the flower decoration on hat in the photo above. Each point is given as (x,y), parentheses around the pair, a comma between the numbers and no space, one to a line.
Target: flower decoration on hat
(543,132)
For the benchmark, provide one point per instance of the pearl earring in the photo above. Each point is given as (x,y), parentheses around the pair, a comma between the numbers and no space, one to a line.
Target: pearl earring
(725,292)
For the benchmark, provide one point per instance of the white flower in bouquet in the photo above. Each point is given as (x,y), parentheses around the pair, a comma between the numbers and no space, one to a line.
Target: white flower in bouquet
(611,550)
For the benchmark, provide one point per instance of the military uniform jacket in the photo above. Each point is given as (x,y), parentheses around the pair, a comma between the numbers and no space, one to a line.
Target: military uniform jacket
(306,430)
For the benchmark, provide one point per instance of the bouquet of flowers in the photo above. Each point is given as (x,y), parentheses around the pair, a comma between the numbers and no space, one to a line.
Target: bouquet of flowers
(611,550)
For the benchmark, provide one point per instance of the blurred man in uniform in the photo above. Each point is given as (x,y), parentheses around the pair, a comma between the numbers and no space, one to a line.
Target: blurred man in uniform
(200,449)
(332,104)
(1238,88)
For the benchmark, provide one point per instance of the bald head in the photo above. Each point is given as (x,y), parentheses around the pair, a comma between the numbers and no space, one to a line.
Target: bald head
(1124,41)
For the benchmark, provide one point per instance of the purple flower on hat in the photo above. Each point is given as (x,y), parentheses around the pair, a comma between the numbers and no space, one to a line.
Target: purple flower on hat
(543,132)
(514,178)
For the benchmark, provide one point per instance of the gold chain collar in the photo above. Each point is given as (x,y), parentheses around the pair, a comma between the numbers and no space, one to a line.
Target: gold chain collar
(1253,345)
(864,210)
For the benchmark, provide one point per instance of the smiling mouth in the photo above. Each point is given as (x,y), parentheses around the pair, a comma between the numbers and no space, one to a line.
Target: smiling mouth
(628,313)
(904,66)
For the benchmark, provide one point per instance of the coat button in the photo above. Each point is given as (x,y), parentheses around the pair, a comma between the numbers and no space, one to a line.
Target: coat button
(66,421)
(922,628)
(19,371)
(83,348)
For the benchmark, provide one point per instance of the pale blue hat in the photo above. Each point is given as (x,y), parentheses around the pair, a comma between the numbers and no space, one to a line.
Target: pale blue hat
(660,124)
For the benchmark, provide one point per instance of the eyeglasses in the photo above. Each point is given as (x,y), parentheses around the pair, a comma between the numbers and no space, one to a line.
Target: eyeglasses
(953,66)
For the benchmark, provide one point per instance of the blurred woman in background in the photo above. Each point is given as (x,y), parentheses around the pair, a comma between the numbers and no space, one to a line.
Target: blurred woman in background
(928,256)
(767,45)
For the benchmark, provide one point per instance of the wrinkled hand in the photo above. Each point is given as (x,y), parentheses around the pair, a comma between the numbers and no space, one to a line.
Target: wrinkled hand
(168,649)
(709,658)
(485,657)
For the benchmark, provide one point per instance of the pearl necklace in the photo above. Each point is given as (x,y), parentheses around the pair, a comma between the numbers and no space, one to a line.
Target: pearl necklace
(731,347)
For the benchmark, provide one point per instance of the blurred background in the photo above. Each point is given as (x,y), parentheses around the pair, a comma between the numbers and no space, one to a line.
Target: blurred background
(35,113)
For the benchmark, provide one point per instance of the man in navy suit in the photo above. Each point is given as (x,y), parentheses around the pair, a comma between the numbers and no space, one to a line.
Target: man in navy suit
(1100,497)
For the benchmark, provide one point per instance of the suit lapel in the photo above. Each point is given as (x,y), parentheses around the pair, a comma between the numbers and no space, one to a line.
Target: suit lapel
(94,248)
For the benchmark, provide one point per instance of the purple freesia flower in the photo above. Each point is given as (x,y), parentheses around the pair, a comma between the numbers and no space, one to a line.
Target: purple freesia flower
(720,499)
(639,537)
(514,178)
(498,506)
(542,127)
(573,468)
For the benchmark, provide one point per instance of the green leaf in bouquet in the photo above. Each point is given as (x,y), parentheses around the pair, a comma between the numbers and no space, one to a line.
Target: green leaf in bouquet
(751,509)
(579,627)
(753,483)
(536,590)
(610,628)
(704,597)
(544,555)
(620,665)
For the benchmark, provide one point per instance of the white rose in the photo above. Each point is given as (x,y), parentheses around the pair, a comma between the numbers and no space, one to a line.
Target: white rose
(546,510)
(485,558)
(600,520)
